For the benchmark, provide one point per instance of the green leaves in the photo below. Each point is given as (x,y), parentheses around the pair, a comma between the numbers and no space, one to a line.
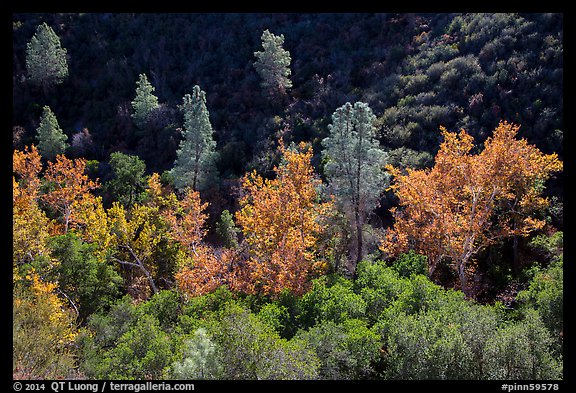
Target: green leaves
(89,281)
(145,101)
(195,165)
(355,165)
(273,64)
(45,58)
(51,138)
(129,182)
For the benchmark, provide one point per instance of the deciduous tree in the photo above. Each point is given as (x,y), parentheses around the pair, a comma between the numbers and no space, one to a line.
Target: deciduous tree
(467,201)
(69,184)
(43,331)
(29,223)
(281,220)
(136,233)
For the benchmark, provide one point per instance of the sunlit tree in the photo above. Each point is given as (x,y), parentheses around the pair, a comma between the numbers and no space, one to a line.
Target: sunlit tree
(467,201)
(45,58)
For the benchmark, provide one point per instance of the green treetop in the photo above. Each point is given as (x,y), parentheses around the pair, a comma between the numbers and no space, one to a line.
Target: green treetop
(45,58)
(195,162)
(145,101)
(273,64)
(51,138)
(355,164)
(129,182)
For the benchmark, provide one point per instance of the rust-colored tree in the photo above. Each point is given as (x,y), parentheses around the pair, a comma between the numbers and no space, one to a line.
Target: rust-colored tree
(466,202)
(281,220)
(202,269)
(186,219)
(69,185)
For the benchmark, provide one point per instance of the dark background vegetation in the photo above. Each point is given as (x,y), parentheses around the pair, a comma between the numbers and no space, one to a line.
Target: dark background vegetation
(416,71)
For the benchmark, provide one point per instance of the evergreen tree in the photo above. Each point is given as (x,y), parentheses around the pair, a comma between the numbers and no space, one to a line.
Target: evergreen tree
(196,156)
(355,164)
(51,138)
(45,58)
(273,64)
(200,359)
(145,102)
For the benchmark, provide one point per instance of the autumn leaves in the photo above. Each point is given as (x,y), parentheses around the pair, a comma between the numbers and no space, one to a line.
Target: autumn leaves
(468,201)
(448,213)
(281,220)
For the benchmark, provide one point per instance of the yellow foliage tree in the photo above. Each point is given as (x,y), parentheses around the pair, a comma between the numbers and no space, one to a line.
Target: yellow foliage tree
(466,201)
(43,331)
(29,223)
(134,236)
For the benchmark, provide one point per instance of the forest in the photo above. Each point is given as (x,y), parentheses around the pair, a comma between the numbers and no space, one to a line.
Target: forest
(287,196)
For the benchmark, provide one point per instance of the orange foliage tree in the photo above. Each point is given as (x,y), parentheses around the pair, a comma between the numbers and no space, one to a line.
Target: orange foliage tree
(201,269)
(70,185)
(281,220)
(466,201)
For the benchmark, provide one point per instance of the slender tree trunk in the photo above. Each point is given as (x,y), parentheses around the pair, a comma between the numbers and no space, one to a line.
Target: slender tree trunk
(463,278)
(360,240)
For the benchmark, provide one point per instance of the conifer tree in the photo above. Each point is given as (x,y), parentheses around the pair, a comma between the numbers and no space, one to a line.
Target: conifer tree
(355,165)
(145,101)
(51,138)
(45,58)
(273,64)
(196,156)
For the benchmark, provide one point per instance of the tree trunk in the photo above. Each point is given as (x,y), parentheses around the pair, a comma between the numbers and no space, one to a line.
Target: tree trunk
(360,240)
(463,279)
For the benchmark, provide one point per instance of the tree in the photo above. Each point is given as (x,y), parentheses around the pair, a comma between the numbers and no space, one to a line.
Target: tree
(196,156)
(204,269)
(69,185)
(250,349)
(347,350)
(186,220)
(199,360)
(51,138)
(88,281)
(355,165)
(227,230)
(273,64)
(466,202)
(43,331)
(145,101)
(136,234)
(45,58)
(142,351)
(29,223)
(129,182)
(281,220)
(545,293)
(522,351)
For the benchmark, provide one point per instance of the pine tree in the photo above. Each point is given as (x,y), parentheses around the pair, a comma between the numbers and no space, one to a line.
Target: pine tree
(145,101)
(273,64)
(45,58)
(355,165)
(196,156)
(51,139)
